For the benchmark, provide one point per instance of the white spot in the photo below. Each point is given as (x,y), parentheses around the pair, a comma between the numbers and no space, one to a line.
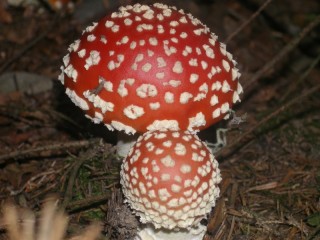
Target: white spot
(93,59)
(159,151)
(78,101)
(111,65)
(154,106)
(193,62)
(146,90)
(209,51)
(146,67)
(148,14)
(177,68)
(174,23)
(139,58)
(234,72)
(109,24)
(153,41)
(172,83)
(223,49)
(216,113)
(167,143)
(115,28)
(165,177)
(177,178)
(142,42)
(167,161)
(122,90)
(124,40)
(185,168)
(81,53)
(71,72)
(160,28)
(204,65)
(225,86)
(188,194)
(175,188)
(183,35)
(163,194)
(172,32)
(194,77)
(171,125)
(185,97)
(91,38)
(127,22)
(167,12)
(150,53)
(239,89)
(175,40)
(198,31)
(108,86)
(160,75)
(133,45)
(197,121)
(214,100)
(216,86)
(74,46)
(133,112)
(180,149)
(183,19)
(122,127)
(99,102)
(226,65)
(169,97)
(66,58)
(225,108)
(161,62)
(235,97)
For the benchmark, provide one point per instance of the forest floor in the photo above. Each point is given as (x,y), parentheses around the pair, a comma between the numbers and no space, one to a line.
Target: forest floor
(270,164)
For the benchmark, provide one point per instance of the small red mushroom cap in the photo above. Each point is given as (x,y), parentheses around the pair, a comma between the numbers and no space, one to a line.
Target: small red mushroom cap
(170,179)
(150,68)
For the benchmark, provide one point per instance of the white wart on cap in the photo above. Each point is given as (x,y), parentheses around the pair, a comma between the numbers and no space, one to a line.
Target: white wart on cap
(150,68)
(170,179)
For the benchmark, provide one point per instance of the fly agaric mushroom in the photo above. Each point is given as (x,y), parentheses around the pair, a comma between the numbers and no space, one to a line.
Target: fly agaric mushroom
(170,179)
(136,68)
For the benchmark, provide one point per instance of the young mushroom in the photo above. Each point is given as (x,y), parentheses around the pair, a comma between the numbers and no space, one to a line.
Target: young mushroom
(149,68)
(170,179)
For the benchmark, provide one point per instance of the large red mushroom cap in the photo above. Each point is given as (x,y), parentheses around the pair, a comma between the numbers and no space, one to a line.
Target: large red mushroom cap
(170,179)
(149,68)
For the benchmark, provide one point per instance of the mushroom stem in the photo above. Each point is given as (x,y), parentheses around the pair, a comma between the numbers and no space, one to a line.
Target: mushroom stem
(148,232)
(125,142)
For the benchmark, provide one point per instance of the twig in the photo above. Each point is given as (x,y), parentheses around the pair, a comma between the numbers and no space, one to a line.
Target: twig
(68,193)
(33,152)
(295,84)
(246,23)
(249,85)
(249,135)
(75,206)
(231,228)
(30,45)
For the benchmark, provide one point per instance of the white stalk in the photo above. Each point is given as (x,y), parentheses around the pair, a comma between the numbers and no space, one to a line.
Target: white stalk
(124,143)
(148,232)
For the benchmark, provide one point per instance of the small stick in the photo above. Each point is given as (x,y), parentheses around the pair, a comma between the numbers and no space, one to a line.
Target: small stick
(30,45)
(249,135)
(249,85)
(246,23)
(32,152)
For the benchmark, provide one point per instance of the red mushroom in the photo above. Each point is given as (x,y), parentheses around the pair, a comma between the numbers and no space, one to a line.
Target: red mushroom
(149,68)
(170,179)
